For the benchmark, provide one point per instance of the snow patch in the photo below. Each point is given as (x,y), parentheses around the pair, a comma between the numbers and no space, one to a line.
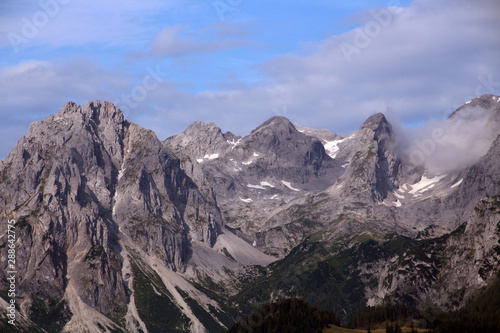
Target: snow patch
(115,196)
(468,101)
(255,154)
(256,186)
(396,203)
(399,196)
(332,147)
(345,165)
(234,143)
(424,184)
(247,163)
(211,157)
(274,197)
(266,184)
(254,243)
(457,183)
(289,185)
(207,157)
(246,200)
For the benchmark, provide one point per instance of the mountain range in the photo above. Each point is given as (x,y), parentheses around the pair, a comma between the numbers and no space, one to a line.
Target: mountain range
(118,231)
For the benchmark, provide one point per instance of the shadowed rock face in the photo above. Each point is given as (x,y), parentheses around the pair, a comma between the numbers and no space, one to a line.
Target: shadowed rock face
(80,181)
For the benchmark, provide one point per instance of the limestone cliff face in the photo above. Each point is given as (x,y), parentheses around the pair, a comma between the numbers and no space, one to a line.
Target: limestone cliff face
(79,182)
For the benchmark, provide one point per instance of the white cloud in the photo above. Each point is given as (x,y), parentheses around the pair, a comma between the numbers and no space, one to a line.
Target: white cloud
(31,90)
(56,23)
(169,42)
(430,58)
(433,56)
(449,144)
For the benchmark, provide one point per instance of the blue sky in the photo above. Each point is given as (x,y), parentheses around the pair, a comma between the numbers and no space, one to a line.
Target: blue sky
(324,64)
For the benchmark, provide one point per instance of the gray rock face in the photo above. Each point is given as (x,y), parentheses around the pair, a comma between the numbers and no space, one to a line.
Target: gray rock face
(101,203)
(200,139)
(266,169)
(80,181)
(375,165)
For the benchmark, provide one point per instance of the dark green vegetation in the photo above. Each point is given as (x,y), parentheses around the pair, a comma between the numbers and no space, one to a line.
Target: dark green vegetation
(330,277)
(291,315)
(372,317)
(203,316)
(50,315)
(481,315)
(154,304)
(8,328)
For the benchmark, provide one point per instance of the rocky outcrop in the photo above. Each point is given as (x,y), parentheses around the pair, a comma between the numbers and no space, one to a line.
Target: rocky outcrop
(79,182)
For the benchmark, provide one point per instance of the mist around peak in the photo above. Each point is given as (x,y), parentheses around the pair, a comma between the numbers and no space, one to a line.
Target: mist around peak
(450,144)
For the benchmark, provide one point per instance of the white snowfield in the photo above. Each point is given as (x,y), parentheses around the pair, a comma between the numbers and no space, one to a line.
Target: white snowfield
(256,187)
(332,147)
(418,188)
(234,143)
(396,203)
(212,156)
(289,185)
(207,157)
(262,185)
(424,184)
(246,200)
(457,183)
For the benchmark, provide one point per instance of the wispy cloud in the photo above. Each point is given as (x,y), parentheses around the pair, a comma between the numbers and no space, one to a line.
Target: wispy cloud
(170,42)
(453,143)
(69,23)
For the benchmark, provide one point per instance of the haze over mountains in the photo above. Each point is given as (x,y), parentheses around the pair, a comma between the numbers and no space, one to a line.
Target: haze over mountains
(121,232)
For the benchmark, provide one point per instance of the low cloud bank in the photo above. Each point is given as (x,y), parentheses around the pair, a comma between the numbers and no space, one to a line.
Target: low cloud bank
(453,143)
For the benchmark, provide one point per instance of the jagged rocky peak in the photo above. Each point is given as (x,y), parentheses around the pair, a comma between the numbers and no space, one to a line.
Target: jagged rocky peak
(282,140)
(198,126)
(324,135)
(379,125)
(200,140)
(483,111)
(278,132)
(279,126)
(81,180)
(484,102)
(375,164)
(95,110)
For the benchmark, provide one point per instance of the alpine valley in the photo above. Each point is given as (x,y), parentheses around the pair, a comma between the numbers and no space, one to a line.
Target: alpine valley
(117,231)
